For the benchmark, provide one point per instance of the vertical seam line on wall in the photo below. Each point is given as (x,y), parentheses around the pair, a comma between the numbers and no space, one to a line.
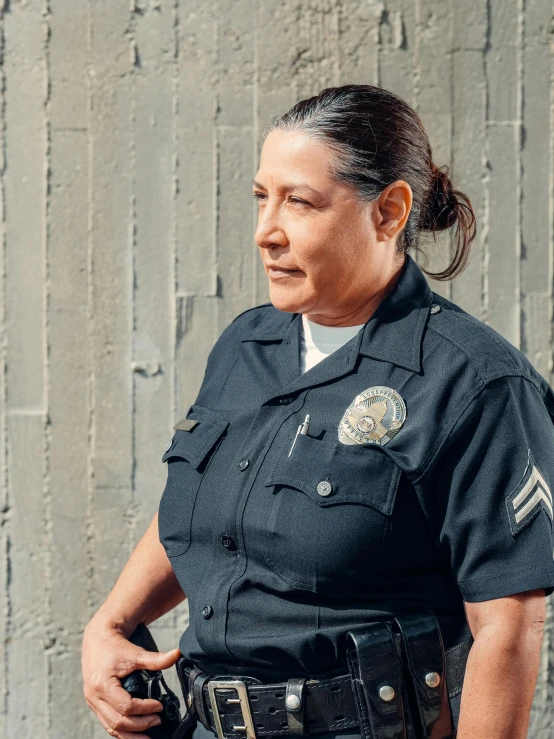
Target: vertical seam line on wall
(449,289)
(217,288)
(133,249)
(546,668)
(50,639)
(172,297)
(255,142)
(378,46)
(91,389)
(551,229)
(5,497)
(417,56)
(486,240)
(485,177)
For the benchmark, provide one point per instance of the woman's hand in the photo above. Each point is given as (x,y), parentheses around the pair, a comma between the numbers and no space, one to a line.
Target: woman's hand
(108,656)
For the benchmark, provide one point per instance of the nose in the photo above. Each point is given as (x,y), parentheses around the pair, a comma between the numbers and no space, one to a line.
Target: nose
(269,231)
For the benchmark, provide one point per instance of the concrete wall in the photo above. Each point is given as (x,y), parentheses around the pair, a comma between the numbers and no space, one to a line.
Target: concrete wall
(129,133)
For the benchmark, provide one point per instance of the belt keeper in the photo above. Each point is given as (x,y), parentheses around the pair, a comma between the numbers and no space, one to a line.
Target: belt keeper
(294,704)
(185,672)
(197,680)
(182,662)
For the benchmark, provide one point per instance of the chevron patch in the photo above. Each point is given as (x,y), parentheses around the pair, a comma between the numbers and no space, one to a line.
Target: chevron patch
(531,495)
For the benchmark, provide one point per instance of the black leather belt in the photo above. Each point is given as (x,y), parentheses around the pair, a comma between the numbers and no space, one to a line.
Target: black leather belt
(235,707)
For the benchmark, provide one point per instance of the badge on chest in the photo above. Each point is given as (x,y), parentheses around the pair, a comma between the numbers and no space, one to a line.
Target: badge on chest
(373,417)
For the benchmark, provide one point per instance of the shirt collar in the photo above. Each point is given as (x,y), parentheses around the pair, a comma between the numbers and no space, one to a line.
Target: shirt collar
(393,333)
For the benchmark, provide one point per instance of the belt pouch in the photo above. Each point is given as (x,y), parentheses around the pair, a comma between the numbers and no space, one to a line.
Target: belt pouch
(426,662)
(375,669)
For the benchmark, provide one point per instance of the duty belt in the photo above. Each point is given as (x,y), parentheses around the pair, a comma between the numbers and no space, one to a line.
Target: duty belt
(401,684)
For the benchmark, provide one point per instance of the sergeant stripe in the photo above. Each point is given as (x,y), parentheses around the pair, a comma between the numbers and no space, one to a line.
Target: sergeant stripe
(537,488)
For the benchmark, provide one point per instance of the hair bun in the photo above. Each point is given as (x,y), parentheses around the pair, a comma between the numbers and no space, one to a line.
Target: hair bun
(443,204)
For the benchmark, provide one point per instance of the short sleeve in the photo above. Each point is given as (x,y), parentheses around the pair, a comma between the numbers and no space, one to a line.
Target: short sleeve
(488,492)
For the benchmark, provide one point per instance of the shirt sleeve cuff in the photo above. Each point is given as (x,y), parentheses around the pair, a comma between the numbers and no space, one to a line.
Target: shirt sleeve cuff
(500,586)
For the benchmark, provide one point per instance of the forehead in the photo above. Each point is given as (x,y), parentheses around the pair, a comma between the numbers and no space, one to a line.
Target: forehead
(291,158)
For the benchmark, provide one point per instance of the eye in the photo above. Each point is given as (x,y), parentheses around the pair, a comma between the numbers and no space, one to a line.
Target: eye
(259,195)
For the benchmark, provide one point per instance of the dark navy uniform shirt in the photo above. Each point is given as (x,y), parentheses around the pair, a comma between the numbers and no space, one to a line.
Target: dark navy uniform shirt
(456,506)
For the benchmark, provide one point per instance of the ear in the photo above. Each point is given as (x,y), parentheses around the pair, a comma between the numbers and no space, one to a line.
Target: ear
(393,208)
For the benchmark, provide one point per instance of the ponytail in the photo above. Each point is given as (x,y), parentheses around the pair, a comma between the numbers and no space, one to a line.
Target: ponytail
(445,208)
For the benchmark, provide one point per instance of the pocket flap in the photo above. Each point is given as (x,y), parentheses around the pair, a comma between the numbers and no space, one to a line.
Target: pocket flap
(362,474)
(195,444)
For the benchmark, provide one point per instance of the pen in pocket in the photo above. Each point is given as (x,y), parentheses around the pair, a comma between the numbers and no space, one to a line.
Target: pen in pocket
(302,429)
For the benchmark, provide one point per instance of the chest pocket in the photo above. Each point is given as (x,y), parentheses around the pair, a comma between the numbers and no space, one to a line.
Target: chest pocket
(329,516)
(187,461)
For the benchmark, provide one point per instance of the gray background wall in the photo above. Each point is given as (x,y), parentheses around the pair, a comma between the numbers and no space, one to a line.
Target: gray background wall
(129,134)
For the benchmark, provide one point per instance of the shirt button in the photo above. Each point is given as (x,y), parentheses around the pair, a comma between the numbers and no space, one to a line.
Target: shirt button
(243,464)
(227,542)
(386,693)
(286,399)
(324,488)
(207,612)
(433,679)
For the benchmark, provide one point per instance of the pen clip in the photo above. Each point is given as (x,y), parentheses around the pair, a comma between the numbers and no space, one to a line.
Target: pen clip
(302,429)
(295,437)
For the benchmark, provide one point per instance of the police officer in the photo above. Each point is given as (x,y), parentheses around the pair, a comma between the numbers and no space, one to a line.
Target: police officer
(361,494)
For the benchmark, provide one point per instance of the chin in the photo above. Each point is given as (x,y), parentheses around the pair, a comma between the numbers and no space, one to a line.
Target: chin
(286,300)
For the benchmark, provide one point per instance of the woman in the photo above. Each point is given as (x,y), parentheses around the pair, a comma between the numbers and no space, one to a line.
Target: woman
(360,450)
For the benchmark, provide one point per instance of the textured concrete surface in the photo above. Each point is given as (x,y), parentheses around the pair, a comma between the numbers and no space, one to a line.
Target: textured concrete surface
(129,133)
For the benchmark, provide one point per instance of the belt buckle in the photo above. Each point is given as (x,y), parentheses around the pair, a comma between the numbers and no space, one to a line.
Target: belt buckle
(242,693)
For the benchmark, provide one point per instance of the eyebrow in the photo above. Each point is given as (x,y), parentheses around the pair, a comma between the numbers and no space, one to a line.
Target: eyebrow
(290,187)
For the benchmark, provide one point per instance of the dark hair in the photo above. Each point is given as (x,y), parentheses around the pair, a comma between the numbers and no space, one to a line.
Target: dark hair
(378,138)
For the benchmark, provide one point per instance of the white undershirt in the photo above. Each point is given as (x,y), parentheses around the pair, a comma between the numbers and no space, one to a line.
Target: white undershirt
(319,341)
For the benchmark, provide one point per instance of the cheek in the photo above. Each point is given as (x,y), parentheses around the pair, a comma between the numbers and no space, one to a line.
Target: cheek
(326,251)
(327,262)
(318,266)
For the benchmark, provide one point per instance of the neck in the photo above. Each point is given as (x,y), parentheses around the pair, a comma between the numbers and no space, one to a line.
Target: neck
(363,312)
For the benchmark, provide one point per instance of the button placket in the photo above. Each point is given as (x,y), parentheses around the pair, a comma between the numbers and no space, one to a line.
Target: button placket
(217,581)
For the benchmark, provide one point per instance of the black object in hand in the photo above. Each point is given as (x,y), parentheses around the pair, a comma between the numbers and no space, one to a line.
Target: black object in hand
(148,684)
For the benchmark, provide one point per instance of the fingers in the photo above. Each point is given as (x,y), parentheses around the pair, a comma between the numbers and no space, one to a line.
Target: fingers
(125,726)
(120,713)
(143,659)
(107,657)
(119,699)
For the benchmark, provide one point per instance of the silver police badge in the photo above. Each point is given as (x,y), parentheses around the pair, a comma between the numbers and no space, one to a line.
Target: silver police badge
(373,417)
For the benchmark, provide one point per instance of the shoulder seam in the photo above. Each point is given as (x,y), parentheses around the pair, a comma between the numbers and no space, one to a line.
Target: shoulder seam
(485,378)
(447,338)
